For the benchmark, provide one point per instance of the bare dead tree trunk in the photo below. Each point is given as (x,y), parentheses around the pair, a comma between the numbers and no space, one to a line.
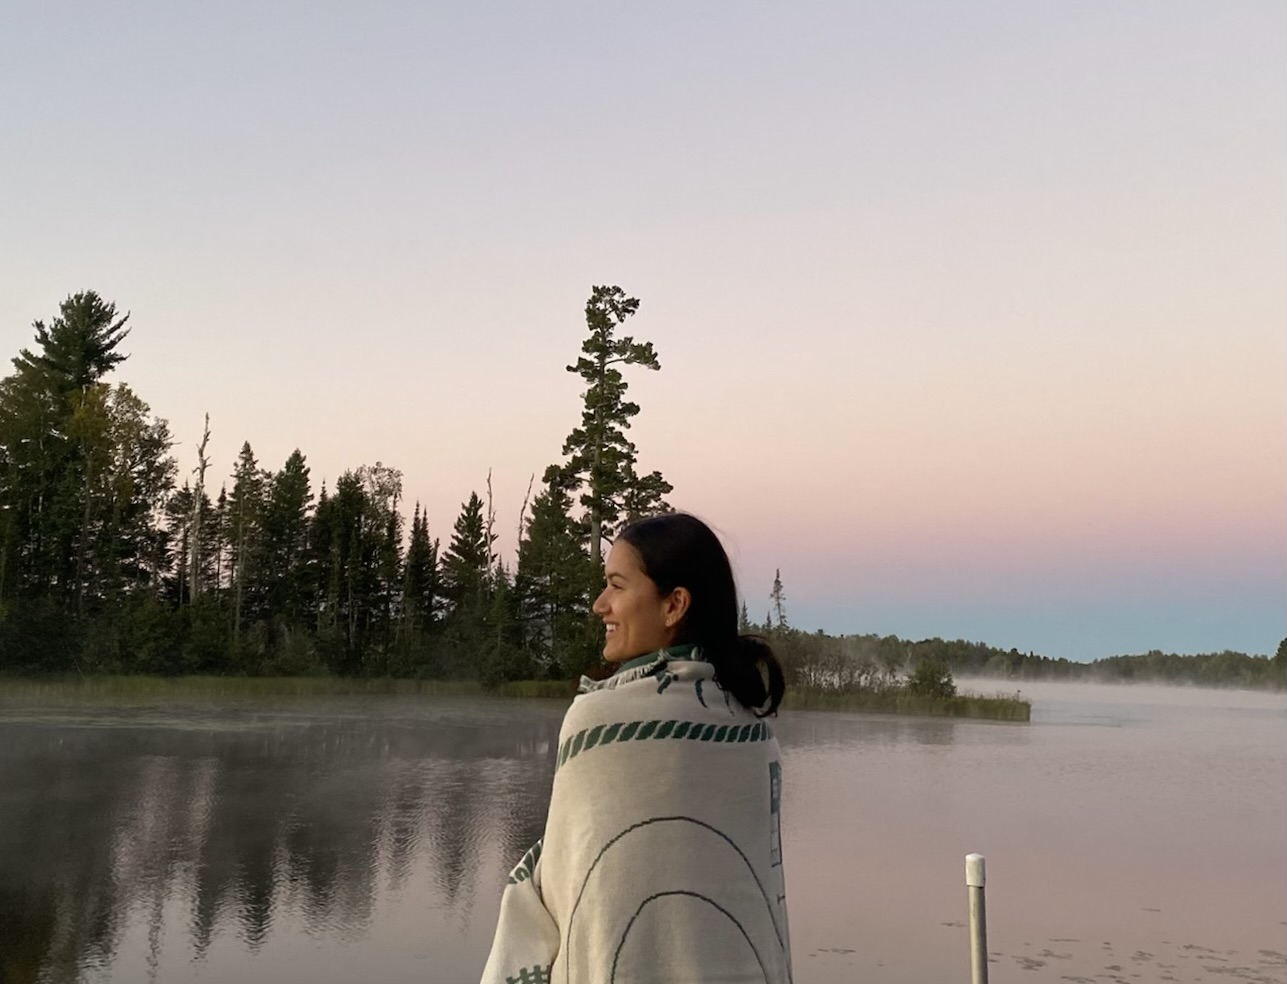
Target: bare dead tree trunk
(194,537)
(491,518)
(523,511)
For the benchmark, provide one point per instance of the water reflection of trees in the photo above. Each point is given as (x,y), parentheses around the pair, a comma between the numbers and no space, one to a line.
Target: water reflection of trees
(242,825)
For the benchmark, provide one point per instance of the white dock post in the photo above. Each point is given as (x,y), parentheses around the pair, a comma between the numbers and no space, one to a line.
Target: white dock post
(975,878)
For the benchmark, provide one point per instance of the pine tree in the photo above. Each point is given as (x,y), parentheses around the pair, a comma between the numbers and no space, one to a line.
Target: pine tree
(84,469)
(55,423)
(643,496)
(600,458)
(79,346)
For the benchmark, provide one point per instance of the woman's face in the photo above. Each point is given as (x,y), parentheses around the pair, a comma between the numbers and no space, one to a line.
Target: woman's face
(638,620)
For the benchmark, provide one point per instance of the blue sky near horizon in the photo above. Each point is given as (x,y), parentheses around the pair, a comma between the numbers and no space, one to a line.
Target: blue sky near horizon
(971,316)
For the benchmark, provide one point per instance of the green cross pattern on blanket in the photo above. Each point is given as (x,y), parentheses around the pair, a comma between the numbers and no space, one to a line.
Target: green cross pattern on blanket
(660,859)
(531,975)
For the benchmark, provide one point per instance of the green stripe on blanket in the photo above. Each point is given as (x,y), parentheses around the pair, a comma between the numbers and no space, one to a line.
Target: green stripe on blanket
(625,731)
(524,869)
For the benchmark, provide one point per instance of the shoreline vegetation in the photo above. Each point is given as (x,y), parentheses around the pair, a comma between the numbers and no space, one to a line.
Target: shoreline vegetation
(896,700)
(111,569)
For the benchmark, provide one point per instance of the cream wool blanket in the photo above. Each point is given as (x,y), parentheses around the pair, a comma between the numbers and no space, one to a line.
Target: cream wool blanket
(661,860)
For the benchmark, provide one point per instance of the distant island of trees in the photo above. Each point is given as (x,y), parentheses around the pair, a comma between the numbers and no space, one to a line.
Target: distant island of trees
(110,564)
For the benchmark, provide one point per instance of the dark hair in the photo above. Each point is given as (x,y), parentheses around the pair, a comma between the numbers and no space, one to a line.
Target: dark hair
(678,550)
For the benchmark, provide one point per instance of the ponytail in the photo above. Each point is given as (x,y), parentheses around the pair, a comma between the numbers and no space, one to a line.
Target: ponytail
(749,670)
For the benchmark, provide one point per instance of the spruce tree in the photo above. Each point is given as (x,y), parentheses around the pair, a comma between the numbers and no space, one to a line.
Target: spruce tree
(285,539)
(245,526)
(554,583)
(420,581)
(467,573)
(320,581)
(468,561)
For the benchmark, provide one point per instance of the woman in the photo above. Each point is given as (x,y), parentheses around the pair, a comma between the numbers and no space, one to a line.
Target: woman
(661,859)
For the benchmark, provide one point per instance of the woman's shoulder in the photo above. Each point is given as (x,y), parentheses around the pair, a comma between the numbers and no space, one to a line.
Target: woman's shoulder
(599,707)
(677,692)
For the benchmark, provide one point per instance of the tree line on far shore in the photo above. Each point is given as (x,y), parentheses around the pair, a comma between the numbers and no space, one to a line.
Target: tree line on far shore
(871,661)
(110,564)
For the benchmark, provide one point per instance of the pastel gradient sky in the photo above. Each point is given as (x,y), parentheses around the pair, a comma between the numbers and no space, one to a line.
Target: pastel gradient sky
(971,315)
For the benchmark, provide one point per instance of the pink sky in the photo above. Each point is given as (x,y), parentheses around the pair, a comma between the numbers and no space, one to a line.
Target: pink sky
(971,320)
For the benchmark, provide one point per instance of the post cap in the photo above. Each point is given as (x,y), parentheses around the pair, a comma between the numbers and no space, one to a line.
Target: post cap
(975,875)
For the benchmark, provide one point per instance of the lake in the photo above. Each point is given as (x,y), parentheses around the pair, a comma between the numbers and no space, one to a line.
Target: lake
(1132,833)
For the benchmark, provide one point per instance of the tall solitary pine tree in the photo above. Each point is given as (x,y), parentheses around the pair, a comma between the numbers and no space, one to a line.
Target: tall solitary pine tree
(600,458)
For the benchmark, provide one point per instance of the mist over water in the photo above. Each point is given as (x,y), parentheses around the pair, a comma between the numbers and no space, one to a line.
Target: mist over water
(1132,834)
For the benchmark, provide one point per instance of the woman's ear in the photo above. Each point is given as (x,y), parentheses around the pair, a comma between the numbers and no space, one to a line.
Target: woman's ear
(676,606)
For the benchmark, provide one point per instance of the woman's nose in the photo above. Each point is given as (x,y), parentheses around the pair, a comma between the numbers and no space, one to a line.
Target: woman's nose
(599,608)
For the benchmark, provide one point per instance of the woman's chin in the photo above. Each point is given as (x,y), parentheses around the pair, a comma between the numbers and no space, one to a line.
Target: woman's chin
(614,651)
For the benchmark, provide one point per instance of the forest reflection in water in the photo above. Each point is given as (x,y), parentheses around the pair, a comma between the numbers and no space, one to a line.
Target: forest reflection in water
(368,837)
(234,819)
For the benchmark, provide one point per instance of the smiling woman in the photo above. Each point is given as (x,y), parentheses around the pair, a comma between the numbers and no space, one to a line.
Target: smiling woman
(637,617)
(661,858)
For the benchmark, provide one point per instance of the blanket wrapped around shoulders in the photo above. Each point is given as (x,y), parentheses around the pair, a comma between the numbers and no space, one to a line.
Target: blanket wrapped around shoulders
(661,859)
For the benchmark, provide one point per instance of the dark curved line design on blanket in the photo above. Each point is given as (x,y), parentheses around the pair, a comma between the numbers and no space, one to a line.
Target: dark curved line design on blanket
(711,902)
(622,731)
(768,905)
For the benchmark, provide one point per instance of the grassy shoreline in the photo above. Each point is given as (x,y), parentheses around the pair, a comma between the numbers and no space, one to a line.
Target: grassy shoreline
(995,708)
(998,707)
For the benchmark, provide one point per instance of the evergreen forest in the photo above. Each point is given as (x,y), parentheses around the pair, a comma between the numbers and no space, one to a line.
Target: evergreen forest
(113,561)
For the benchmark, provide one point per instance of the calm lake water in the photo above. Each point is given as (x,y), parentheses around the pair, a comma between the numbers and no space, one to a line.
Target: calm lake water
(1132,834)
